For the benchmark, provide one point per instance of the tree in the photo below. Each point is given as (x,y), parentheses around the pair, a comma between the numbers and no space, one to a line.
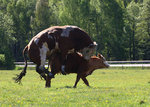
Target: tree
(43,16)
(120,27)
(112,15)
(7,39)
(143,31)
(133,13)
(21,12)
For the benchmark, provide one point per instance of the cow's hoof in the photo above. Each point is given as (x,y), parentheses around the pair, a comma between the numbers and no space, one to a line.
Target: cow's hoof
(63,72)
(74,87)
(89,86)
(47,86)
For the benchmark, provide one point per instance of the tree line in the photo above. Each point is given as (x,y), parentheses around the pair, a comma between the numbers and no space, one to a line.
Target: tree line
(120,27)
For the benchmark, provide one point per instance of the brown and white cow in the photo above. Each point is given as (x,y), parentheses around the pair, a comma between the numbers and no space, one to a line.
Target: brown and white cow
(62,38)
(75,63)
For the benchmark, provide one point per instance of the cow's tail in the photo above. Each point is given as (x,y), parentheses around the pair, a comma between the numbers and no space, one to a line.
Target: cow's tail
(23,73)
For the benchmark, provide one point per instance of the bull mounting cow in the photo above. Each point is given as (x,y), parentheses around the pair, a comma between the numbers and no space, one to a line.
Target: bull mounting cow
(56,38)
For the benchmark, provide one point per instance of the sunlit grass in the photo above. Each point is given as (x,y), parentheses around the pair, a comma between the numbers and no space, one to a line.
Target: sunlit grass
(109,87)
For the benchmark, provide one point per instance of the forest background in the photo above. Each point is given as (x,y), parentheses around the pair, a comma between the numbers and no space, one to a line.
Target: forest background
(120,27)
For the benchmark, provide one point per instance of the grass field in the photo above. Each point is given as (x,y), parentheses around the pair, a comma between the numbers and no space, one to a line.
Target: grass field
(128,87)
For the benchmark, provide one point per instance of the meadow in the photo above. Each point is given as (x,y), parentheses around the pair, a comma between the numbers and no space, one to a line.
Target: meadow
(113,87)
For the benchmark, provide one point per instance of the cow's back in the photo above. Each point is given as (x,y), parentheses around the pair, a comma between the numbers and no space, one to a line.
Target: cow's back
(70,37)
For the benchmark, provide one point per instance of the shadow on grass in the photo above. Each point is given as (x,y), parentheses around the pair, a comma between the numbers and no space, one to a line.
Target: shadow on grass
(90,87)
(103,88)
(69,87)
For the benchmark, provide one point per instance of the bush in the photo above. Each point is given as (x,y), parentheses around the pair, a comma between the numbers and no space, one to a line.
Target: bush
(2,60)
(9,60)
(6,61)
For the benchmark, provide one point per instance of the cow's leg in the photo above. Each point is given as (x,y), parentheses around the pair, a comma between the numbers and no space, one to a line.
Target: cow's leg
(77,80)
(54,69)
(41,72)
(85,81)
(48,82)
(63,60)
(43,52)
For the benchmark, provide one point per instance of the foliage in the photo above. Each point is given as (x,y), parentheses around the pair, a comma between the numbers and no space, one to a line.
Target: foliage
(7,40)
(42,18)
(2,60)
(109,87)
(21,12)
(120,27)
(6,61)
(143,30)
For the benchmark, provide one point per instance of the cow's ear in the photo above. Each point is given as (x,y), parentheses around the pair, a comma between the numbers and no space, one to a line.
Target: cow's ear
(99,55)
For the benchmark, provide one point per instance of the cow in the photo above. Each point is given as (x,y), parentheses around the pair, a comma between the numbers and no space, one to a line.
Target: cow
(65,39)
(75,63)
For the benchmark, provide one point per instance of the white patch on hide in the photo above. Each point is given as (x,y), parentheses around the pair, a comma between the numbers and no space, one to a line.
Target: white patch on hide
(87,53)
(95,43)
(43,52)
(67,30)
(36,40)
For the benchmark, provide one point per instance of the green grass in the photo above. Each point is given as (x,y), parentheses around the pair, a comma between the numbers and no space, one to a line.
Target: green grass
(109,88)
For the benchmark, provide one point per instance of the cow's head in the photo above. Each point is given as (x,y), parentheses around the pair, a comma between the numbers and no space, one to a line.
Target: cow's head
(87,52)
(102,62)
